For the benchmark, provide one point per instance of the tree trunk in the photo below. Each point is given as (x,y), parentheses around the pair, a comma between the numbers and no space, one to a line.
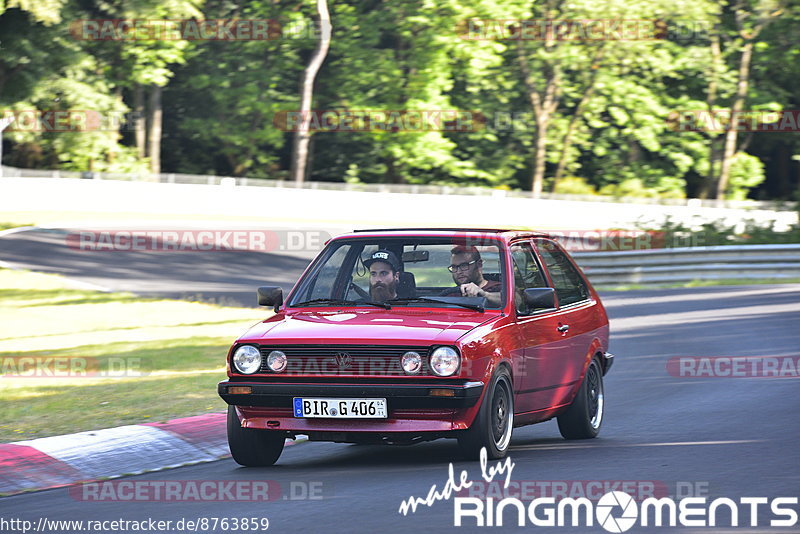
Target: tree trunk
(763,17)
(302,136)
(544,106)
(713,157)
(540,154)
(139,121)
(738,105)
(392,175)
(114,132)
(713,152)
(155,114)
(566,144)
(573,121)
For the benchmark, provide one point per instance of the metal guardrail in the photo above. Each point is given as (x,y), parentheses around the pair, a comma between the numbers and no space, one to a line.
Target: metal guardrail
(173,178)
(664,266)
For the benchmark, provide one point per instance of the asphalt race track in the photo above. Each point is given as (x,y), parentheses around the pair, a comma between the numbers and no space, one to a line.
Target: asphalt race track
(225,277)
(688,436)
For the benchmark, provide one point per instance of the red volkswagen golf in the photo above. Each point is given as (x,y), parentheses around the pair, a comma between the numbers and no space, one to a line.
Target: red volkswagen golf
(401,336)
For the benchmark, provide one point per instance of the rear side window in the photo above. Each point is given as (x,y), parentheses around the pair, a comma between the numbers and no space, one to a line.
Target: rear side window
(568,282)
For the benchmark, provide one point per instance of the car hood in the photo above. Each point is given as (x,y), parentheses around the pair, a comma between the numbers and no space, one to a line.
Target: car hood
(369,327)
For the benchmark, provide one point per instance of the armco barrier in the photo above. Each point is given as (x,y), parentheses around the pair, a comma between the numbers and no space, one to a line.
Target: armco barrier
(664,266)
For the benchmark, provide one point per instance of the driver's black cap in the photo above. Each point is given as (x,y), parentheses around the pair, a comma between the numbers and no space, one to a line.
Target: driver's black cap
(386,256)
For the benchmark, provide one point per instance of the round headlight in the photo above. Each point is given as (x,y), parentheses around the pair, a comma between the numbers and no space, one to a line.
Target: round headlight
(412,362)
(247,359)
(276,361)
(445,361)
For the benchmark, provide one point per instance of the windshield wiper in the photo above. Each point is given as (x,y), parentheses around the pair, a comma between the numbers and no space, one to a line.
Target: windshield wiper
(444,300)
(336,302)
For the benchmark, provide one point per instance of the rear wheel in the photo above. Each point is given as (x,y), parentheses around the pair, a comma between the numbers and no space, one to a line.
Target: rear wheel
(584,416)
(251,447)
(494,423)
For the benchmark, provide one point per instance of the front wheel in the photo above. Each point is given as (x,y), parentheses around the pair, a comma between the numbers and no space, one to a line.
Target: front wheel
(494,423)
(252,447)
(584,416)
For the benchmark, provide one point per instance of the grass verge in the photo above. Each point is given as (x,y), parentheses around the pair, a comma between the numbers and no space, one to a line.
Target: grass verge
(6,225)
(75,360)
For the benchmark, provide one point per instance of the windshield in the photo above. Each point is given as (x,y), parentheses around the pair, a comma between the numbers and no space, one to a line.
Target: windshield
(411,271)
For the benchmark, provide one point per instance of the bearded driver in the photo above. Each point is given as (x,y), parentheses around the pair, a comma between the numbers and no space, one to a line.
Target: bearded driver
(466,267)
(384,275)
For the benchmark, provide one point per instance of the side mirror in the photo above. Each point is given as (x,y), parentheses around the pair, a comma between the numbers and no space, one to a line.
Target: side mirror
(270,296)
(540,298)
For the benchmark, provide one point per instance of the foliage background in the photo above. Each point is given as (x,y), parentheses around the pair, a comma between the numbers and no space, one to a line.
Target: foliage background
(608,132)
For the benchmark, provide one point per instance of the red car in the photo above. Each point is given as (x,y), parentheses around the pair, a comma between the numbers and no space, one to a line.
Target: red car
(407,335)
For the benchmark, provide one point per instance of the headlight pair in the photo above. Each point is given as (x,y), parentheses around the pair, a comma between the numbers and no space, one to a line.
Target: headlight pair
(444,361)
(247,360)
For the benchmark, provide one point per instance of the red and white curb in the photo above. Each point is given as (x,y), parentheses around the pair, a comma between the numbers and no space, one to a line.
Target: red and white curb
(113,452)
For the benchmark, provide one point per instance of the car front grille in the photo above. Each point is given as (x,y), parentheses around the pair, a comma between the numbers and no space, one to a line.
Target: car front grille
(353,360)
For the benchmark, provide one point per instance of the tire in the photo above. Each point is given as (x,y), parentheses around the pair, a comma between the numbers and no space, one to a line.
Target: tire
(583,418)
(494,423)
(251,447)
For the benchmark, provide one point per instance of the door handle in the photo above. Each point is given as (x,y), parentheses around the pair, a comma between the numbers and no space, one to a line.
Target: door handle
(563,328)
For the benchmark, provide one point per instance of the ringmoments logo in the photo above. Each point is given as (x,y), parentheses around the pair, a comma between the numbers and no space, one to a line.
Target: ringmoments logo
(615,511)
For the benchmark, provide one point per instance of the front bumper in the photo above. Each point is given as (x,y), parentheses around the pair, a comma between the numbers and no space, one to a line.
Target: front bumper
(429,395)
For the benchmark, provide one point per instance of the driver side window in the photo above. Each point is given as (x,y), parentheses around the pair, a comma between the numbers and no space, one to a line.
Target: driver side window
(527,274)
(323,284)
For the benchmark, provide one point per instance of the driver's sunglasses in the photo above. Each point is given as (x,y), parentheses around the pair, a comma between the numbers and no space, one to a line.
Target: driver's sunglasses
(461,266)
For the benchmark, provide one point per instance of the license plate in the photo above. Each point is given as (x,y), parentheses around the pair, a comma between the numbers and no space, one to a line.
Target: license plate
(340,408)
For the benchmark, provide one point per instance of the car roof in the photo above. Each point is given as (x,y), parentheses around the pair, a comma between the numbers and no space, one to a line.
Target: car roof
(503,233)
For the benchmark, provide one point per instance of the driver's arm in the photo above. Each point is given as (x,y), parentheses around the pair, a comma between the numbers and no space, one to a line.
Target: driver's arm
(492,298)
